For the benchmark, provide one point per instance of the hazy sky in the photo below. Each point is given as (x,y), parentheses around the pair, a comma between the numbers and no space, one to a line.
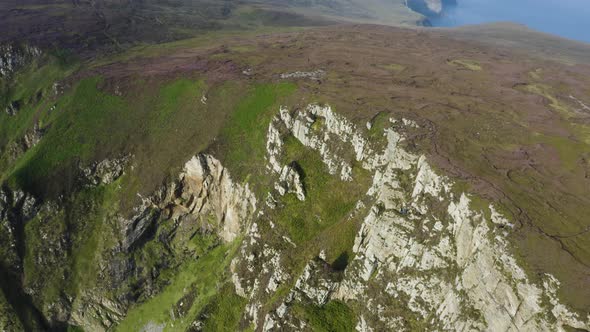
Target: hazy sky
(568,18)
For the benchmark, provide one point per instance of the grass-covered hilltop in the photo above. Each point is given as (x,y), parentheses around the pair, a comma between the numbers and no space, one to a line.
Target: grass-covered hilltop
(286,166)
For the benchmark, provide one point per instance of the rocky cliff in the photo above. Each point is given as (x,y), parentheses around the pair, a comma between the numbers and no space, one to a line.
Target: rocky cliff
(426,256)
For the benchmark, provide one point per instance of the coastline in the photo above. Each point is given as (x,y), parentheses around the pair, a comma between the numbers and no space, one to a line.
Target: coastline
(430,8)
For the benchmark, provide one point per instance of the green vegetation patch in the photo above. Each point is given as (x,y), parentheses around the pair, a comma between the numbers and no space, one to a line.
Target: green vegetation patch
(88,119)
(88,217)
(334,316)
(545,91)
(244,135)
(378,125)
(172,96)
(568,147)
(329,200)
(202,277)
(85,223)
(89,124)
(31,90)
(224,312)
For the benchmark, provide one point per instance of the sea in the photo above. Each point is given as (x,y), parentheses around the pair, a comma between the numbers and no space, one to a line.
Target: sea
(565,18)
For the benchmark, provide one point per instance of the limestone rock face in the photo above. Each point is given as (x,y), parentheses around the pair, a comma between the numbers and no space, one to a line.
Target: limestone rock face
(312,75)
(14,57)
(314,283)
(450,268)
(204,188)
(208,188)
(290,182)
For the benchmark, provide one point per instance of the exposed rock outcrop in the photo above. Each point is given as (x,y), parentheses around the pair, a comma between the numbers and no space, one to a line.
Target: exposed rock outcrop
(13,108)
(31,138)
(203,199)
(445,268)
(312,75)
(13,57)
(290,182)
(105,171)
(204,188)
(207,188)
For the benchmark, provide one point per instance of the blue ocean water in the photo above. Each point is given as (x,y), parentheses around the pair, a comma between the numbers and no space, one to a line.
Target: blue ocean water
(566,18)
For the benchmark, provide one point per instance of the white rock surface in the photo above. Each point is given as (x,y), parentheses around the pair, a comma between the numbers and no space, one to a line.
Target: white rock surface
(208,188)
(13,57)
(313,75)
(290,182)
